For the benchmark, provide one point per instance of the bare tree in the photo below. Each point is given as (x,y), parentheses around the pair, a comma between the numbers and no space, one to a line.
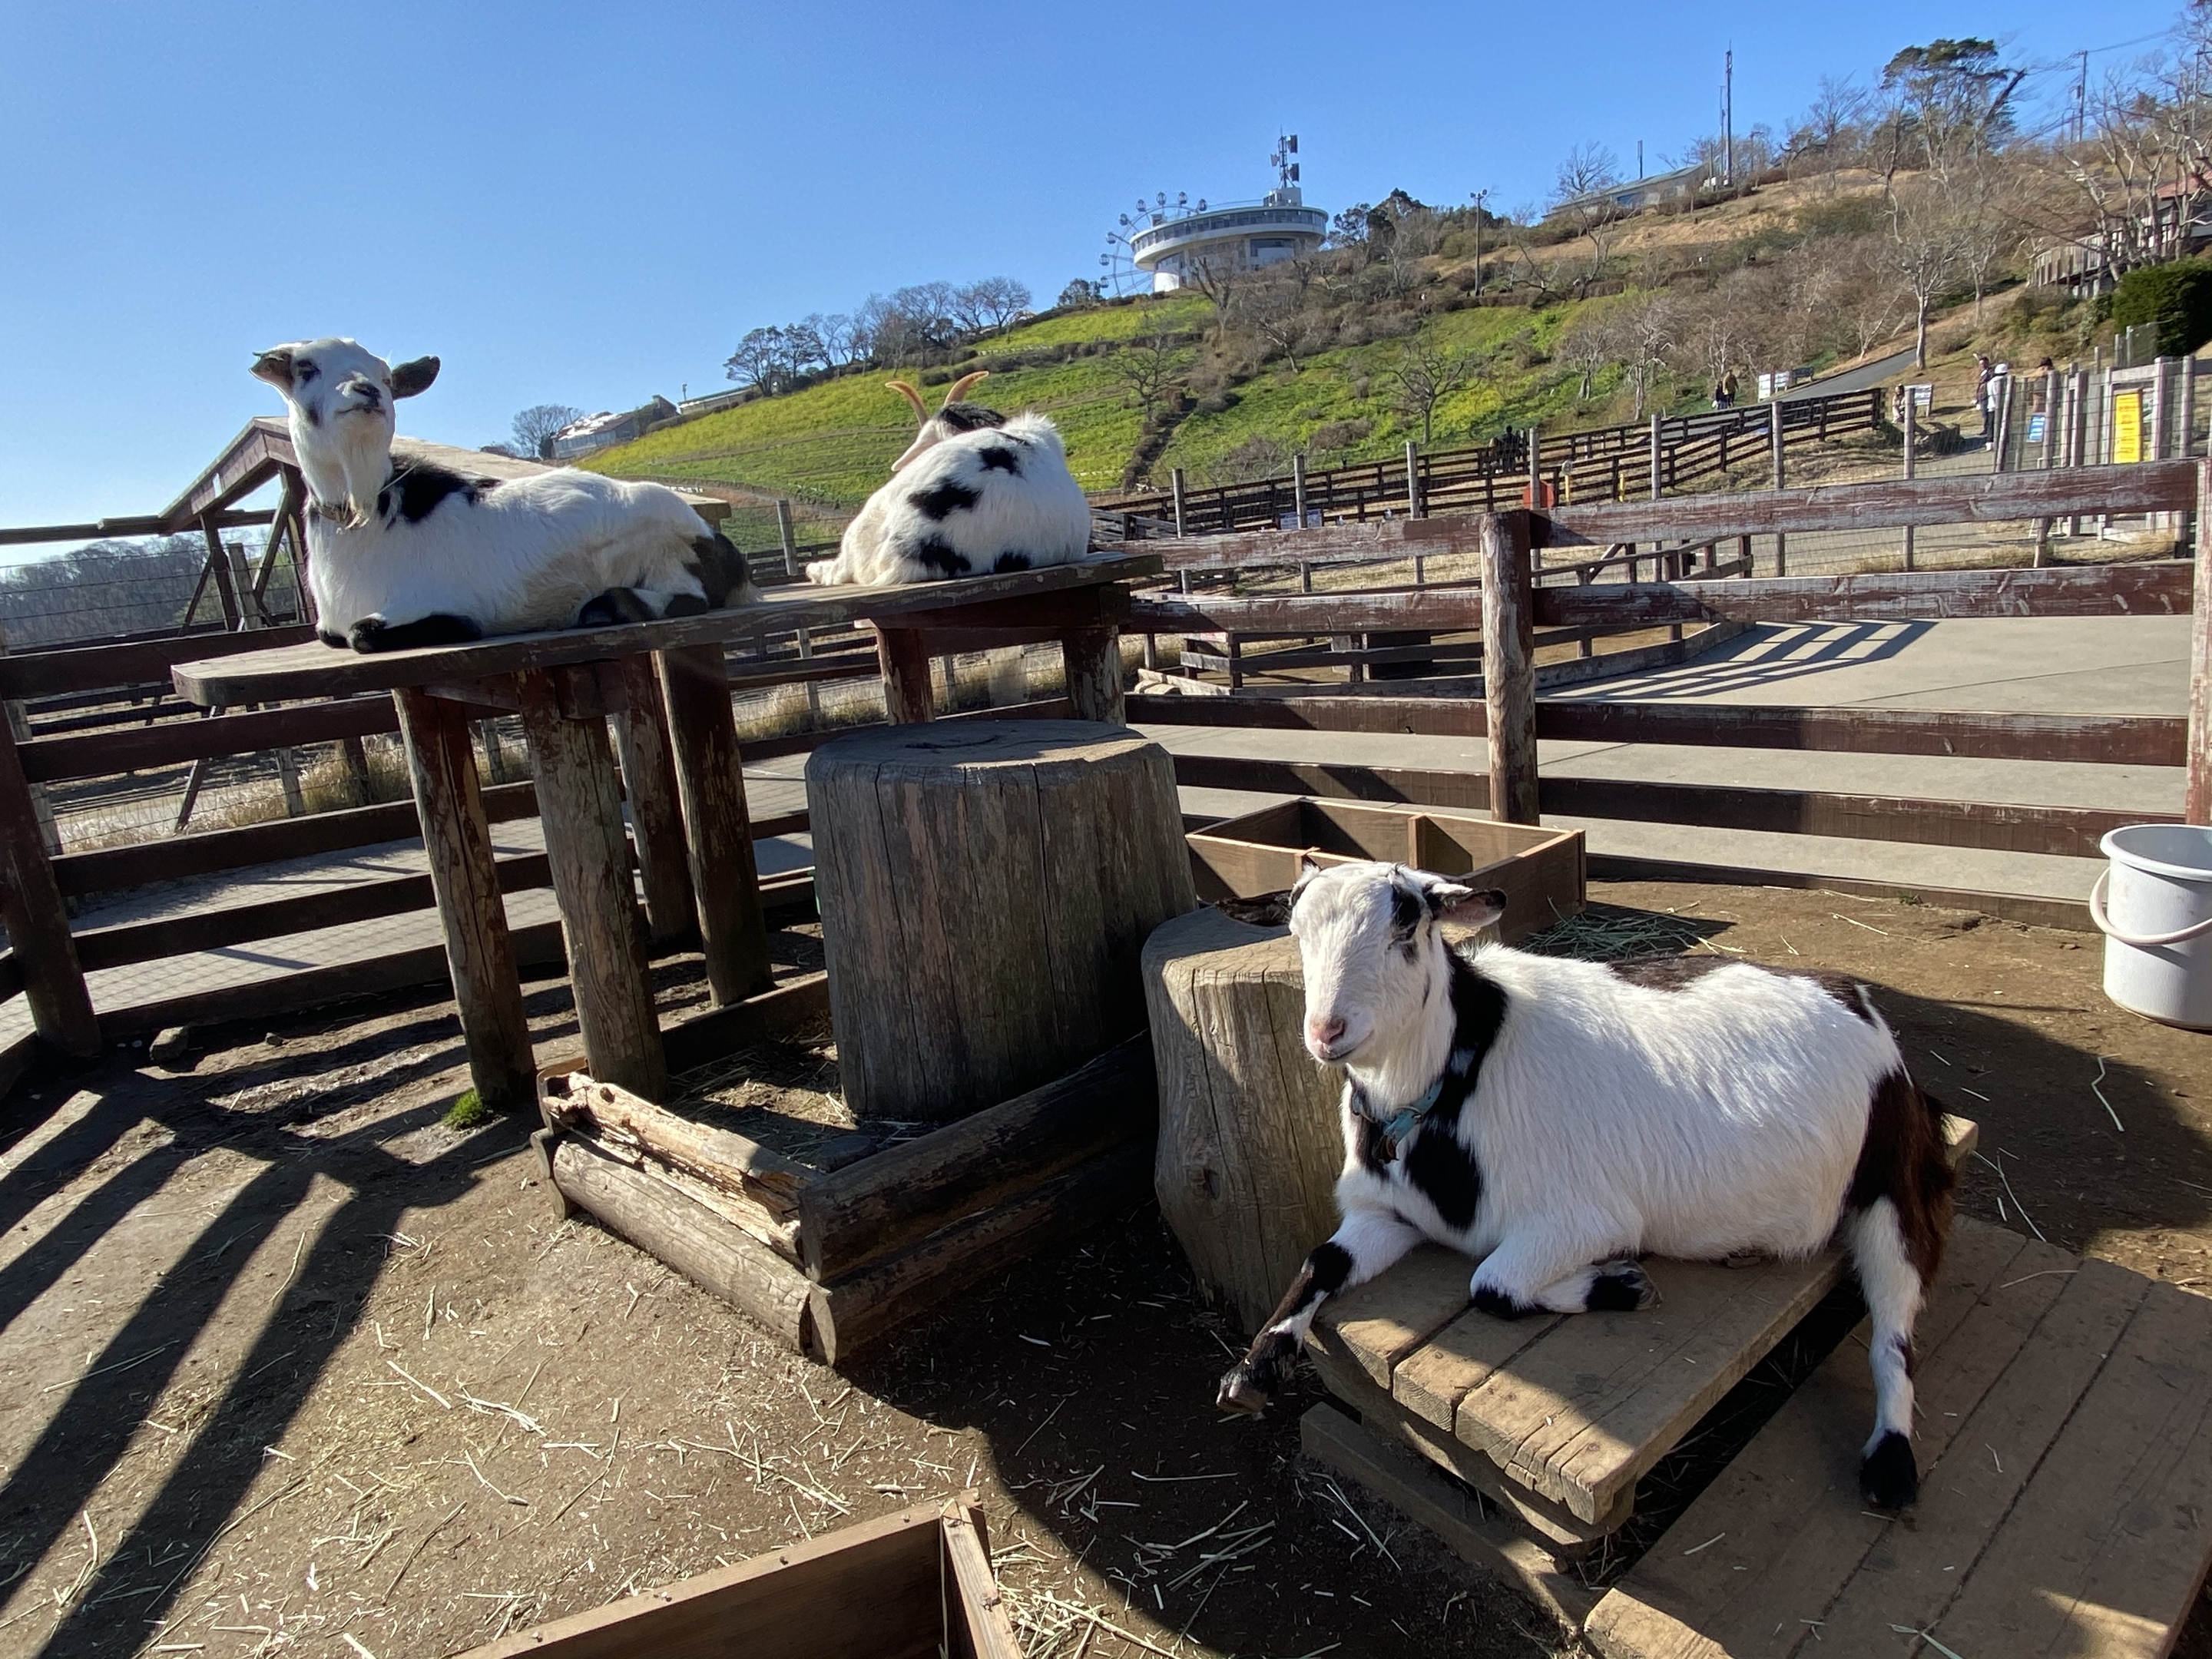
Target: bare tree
(1831,133)
(1646,331)
(1586,344)
(1583,194)
(1147,368)
(1423,375)
(988,306)
(533,428)
(842,338)
(1275,308)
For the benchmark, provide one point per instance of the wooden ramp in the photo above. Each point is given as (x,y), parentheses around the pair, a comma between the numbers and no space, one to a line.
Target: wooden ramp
(2066,1486)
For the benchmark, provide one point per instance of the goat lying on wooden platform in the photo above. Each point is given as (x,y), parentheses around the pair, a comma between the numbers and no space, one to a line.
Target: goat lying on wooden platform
(975,492)
(1556,1118)
(419,554)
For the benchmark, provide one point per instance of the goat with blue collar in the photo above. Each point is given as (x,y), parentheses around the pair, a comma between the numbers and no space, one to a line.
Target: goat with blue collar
(1556,1120)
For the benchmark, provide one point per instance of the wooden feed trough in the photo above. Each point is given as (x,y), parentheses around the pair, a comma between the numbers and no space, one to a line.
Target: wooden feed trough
(914,1585)
(1540,869)
(1249,1145)
(830,1261)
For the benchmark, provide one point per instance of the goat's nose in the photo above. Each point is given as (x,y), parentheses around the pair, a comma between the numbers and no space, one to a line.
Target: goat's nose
(1323,1033)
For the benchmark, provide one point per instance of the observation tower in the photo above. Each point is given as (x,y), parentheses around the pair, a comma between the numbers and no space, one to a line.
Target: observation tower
(1167,244)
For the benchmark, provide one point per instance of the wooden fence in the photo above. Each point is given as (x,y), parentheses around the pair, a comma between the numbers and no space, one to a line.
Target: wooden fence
(1610,463)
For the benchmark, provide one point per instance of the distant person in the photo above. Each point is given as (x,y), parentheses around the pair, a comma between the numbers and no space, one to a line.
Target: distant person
(1720,398)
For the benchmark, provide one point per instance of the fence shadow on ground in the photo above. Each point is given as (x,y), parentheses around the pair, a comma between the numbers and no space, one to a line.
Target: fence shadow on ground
(1769,655)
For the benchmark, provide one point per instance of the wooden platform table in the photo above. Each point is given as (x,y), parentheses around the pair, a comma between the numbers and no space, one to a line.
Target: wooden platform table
(668,685)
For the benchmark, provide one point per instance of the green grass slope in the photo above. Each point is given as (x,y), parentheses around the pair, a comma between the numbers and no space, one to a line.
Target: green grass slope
(829,445)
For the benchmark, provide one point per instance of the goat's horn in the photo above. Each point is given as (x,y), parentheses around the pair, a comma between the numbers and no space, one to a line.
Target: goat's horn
(953,395)
(920,412)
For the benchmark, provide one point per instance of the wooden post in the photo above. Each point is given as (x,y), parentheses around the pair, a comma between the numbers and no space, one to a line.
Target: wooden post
(1655,458)
(905,667)
(479,954)
(1412,480)
(1298,493)
(38,920)
(1093,659)
(2187,447)
(1508,667)
(711,782)
(784,535)
(2077,433)
(589,855)
(1911,421)
(218,568)
(656,818)
(1175,485)
(2196,802)
(1774,439)
(19,728)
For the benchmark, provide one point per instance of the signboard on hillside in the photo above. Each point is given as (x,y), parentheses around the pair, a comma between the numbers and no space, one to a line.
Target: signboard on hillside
(2127,427)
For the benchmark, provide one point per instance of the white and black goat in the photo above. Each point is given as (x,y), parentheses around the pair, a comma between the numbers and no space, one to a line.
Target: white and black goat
(418,554)
(975,492)
(1556,1119)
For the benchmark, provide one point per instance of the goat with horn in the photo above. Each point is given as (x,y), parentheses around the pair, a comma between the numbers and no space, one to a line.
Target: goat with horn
(975,492)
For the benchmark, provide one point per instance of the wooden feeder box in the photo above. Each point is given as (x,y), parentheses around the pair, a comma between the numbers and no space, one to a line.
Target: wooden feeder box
(1541,870)
(914,1585)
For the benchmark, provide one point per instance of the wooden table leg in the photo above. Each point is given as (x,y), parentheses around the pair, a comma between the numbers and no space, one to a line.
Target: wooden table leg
(656,818)
(905,664)
(589,855)
(713,787)
(486,989)
(1093,656)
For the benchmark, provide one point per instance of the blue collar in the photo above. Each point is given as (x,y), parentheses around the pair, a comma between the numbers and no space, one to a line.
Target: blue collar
(1402,1124)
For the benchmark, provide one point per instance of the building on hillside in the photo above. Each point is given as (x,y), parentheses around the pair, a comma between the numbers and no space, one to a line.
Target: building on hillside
(1633,197)
(606,428)
(1171,243)
(2175,225)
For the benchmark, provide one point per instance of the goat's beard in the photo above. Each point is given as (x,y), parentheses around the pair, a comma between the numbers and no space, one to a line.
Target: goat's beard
(363,453)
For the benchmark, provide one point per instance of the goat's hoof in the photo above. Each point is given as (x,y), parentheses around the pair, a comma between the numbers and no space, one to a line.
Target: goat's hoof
(1243,1391)
(1499,1305)
(368,633)
(1621,1287)
(1888,1479)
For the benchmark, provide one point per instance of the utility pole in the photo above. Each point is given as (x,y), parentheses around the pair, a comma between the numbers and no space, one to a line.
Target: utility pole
(2082,99)
(1639,159)
(1727,119)
(1481,196)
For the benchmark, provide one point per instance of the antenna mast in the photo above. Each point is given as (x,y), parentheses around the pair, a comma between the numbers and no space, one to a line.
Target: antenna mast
(1727,119)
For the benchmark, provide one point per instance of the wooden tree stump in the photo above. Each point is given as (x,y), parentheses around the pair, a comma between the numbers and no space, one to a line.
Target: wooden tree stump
(1249,1145)
(986,890)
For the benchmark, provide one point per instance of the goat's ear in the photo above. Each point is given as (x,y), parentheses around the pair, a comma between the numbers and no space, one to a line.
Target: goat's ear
(1309,867)
(1464,907)
(275,365)
(410,378)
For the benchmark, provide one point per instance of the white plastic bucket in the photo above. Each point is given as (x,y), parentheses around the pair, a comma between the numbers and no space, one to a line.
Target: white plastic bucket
(2153,906)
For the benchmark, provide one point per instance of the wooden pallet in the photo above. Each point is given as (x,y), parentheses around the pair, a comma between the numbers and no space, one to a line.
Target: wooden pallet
(2066,1486)
(1558,1417)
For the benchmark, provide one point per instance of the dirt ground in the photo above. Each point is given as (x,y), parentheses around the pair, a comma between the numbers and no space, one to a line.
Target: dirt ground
(288,1365)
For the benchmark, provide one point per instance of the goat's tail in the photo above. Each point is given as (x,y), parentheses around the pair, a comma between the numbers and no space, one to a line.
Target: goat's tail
(1896,1218)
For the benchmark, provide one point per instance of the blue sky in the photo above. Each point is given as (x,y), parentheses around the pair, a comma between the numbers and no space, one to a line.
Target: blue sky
(589,204)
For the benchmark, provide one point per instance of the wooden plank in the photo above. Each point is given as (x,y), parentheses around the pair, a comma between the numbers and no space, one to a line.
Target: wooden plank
(316,671)
(582,814)
(656,815)
(1375,1326)
(241,924)
(851,1313)
(2151,589)
(141,523)
(2106,1548)
(1491,1545)
(2035,909)
(100,754)
(982,1610)
(1431,1381)
(798,1005)
(1977,1492)
(144,662)
(870,1591)
(858,1214)
(1787,1509)
(205,854)
(248,461)
(663,1220)
(487,991)
(536,945)
(711,786)
(37,919)
(1509,668)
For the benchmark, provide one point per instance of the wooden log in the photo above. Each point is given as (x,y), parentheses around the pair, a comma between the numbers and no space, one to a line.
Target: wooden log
(487,991)
(851,1313)
(735,1164)
(708,1249)
(903,656)
(1249,1145)
(582,811)
(711,780)
(798,1005)
(37,919)
(1093,657)
(857,1215)
(985,889)
(2197,807)
(648,769)
(1509,667)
